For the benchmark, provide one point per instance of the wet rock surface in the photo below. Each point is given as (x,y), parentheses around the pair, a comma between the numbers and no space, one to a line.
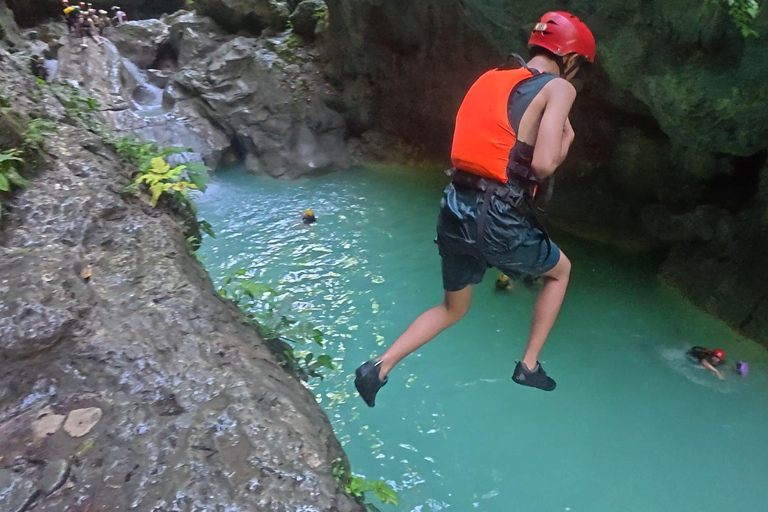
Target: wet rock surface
(195,414)
(277,134)
(227,98)
(16,492)
(140,41)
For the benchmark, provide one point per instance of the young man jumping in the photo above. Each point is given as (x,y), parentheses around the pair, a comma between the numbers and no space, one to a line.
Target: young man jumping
(512,131)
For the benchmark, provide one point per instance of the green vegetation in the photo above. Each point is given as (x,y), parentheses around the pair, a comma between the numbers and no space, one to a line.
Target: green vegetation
(154,170)
(176,183)
(10,165)
(357,486)
(80,108)
(743,13)
(268,312)
(34,135)
(321,14)
(161,179)
(4,101)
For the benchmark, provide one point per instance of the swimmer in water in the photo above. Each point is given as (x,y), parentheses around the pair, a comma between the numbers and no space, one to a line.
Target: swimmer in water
(709,359)
(308,217)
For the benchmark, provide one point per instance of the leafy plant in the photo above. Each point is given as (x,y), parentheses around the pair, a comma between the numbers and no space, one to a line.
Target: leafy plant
(141,154)
(4,101)
(34,135)
(321,13)
(743,13)
(206,228)
(357,486)
(268,311)
(160,179)
(10,163)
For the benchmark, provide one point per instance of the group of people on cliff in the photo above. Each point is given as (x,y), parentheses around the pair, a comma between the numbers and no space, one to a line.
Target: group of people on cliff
(84,21)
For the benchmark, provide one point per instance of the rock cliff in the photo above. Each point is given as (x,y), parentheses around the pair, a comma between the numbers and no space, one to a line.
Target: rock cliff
(126,382)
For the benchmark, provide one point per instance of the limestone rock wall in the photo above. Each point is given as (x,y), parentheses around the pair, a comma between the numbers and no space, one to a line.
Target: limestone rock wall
(105,313)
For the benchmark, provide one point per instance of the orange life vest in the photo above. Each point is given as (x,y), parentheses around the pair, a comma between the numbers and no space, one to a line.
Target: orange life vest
(484,137)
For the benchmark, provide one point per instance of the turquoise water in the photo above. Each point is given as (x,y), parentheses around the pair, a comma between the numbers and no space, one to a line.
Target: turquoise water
(633,425)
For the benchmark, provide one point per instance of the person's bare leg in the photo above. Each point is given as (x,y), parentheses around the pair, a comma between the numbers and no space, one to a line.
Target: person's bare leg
(547,307)
(428,325)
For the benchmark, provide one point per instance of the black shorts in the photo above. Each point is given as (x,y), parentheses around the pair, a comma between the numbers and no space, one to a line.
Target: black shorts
(511,243)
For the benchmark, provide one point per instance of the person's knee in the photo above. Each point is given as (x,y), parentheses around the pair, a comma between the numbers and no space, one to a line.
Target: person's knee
(456,308)
(566,265)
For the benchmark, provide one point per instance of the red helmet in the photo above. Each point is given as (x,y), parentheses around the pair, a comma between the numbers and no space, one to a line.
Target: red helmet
(719,353)
(563,33)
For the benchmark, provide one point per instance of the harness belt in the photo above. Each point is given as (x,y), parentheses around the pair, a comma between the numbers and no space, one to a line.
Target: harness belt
(517,195)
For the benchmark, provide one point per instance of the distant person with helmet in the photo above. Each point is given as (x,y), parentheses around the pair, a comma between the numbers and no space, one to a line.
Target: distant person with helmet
(709,359)
(71,13)
(103,22)
(308,217)
(512,131)
(118,15)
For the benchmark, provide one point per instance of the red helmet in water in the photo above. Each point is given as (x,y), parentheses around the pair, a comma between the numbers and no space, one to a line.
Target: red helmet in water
(563,33)
(719,353)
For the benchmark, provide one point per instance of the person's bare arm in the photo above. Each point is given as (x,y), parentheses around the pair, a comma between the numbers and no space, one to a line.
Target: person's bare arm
(555,133)
(706,364)
(568,137)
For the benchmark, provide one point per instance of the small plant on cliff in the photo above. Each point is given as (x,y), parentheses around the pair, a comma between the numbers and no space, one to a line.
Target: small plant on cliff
(268,311)
(357,486)
(4,101)
(162,179)
(321,14)
(743,13)
(80,108)
(141,154)
(10,164)
(34,135)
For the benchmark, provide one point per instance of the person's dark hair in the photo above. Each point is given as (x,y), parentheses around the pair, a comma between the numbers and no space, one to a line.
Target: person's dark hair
(583,63)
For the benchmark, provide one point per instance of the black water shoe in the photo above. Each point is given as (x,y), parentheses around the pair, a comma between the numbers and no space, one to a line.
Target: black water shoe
(367,381)
(536,378)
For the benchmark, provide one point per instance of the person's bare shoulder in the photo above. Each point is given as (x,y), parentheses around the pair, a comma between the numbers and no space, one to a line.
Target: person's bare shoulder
(560,87)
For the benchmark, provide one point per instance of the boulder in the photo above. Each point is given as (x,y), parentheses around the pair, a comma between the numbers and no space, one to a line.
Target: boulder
(141,41)
(123,90)
(9,31)
(251,16)
(193,36)
(237,90)
(305,17)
